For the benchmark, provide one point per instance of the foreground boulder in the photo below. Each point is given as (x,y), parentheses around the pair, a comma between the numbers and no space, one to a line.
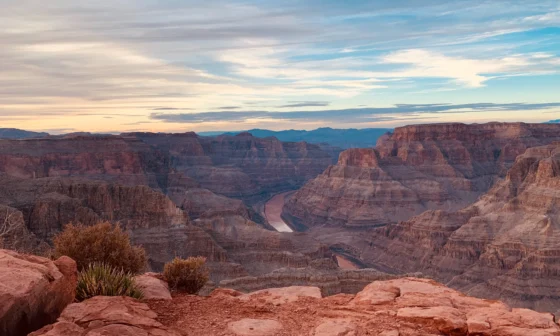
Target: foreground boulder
(399,307)
(107,316)
(152,286)
(33,291)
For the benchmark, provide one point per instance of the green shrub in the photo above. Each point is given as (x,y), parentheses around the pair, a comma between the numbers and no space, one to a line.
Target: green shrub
(100,243)
(102,279)
(188,275)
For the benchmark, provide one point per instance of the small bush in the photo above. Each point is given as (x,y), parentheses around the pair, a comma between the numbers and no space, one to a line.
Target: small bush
(188,275)
(100,243)
(102,279)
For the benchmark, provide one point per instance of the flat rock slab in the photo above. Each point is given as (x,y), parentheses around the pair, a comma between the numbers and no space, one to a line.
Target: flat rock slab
(255,327)
(284,295)
(107,316)
(336,327)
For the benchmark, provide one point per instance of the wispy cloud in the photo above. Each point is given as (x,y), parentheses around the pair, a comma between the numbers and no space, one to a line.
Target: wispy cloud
(305,104)
(354,115)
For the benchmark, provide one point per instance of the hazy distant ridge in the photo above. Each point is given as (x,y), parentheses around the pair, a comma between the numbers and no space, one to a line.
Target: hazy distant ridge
(14,133)
(344,138)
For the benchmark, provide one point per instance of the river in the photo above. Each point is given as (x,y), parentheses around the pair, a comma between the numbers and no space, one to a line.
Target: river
(273,212)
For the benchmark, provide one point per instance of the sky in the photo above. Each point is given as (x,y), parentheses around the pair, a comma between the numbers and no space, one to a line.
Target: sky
(175,66)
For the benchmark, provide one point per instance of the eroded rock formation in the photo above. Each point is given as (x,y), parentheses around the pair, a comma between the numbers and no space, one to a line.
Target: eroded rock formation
(401,307)
(505,246)
(109,316)
(221,231)
(416,168)
(33,291)
(242,166)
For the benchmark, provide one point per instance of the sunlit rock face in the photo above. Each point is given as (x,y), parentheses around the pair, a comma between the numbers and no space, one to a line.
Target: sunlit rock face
(414,169)
(505,246)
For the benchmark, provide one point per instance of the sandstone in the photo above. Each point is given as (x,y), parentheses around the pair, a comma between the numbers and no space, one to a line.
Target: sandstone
(102,315)
(278,296)
(152,287)
(33,291)
(170,192)
(504,246)
(448,320)
(255,327)
(335,327)
(229,315)
(417,168)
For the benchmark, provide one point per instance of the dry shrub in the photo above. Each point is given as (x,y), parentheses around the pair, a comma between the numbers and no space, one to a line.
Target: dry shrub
(101,243)
(102,279)
(188,275)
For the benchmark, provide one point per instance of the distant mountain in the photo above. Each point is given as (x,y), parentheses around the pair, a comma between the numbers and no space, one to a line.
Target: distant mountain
(557,121)
(14,133)
(344,138)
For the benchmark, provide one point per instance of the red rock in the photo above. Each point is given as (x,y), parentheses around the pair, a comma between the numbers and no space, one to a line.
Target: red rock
(109,316)
(152,287)
(447,313)
(278,296)
(33,291)
(417,168)
(505,246)
(255,327)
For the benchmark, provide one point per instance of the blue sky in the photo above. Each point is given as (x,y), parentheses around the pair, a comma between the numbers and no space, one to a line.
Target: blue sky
(122,65)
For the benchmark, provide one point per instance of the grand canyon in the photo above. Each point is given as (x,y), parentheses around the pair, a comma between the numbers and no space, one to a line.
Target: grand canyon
(279,168)
(472,206)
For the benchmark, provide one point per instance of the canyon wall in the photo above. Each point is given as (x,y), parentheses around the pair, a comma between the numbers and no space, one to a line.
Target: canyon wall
(505,246)
(32,211)
(414,169)
(241,166)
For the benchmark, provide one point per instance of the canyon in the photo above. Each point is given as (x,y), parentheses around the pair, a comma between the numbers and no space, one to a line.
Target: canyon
(414,169)
(473,206)
(175,194)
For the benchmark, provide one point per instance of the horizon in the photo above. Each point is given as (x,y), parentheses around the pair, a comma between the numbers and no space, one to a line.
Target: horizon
(165,66)
(229,132)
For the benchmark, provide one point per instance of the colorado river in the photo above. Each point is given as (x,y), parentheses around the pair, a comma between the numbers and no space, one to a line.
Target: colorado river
(273,211)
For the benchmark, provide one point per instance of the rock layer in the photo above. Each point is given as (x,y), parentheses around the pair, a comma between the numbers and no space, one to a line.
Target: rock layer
(240,166)
(505,246)
(416,168)
(33,291)
(222,231)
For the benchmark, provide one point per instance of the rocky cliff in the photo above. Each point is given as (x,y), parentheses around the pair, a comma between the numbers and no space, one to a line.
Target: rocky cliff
(403,307)
(32,211)
(240,166)
(414,169)
(159,188)
(505,246)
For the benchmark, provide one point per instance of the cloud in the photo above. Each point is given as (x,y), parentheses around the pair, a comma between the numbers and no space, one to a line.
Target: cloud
(229,107)
(108,57)
(354,115)
(169,109)
(469,72)
(305,104)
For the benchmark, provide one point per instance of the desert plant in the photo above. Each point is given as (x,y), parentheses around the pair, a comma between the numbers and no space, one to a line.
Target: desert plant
(103,279)
(103,242)
(188,275)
